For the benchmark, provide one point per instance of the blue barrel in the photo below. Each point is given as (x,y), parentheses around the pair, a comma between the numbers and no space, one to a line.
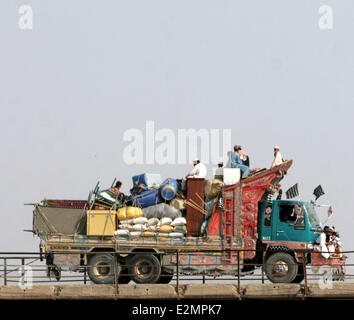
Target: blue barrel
(146,199)
(148,179)
(168,189)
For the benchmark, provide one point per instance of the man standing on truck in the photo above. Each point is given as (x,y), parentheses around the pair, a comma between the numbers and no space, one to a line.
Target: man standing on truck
(236,161)
(322,241)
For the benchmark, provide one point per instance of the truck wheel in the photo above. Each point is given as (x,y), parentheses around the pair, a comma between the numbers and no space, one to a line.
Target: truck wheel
(123,277)
(144,268)
(281,267)
(165,277)
(300,275)
(101,268)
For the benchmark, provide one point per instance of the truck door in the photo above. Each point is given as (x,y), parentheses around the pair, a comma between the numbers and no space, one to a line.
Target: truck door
(289,220)
(265,222)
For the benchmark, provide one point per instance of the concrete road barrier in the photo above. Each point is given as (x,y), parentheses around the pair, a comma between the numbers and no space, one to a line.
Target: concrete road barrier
(187,291)
(147,291)
(271,291)
(11,292)
(332,290)
(98,291)
(210,291)
(39,292)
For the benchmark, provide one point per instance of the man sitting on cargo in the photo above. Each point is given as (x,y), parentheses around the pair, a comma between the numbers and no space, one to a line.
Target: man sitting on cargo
(236,161)
(120,196)
(278,160)
(199,170)
(219,172)
(244,157)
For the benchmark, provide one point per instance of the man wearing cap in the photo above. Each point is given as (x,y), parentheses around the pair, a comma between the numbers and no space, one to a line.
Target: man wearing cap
(322,242)
(337,244)
(199,170)
(236,161)
(278,160)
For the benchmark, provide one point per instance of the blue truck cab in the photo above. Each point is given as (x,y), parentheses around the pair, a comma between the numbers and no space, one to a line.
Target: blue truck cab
(288,220)
(287,230)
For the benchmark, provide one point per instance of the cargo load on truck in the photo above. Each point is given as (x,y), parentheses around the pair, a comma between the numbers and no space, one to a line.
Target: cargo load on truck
(157,198)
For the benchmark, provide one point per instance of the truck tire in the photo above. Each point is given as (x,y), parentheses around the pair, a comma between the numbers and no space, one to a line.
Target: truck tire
(144,268)
(281,267)
(165,277)
(101,268)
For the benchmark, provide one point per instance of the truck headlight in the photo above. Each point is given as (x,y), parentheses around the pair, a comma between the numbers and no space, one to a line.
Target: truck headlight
(309,246)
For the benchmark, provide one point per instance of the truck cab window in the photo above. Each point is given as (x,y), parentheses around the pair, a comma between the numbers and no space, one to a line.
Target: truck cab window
(287,213)
(268,216)
(300,219)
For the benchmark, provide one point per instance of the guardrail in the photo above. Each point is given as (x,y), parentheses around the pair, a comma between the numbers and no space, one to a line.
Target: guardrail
(23,268)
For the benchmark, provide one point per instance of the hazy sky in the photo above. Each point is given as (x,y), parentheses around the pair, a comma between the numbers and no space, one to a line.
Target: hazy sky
(90,70)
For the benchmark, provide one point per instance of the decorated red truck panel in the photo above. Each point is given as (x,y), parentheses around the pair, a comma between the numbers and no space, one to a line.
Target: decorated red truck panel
(239,215)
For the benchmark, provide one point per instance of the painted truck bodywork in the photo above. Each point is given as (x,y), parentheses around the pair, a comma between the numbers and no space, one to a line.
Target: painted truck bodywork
(272,228)
(237,222)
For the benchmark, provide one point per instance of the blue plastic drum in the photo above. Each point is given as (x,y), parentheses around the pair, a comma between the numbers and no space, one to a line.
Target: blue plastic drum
(146,199)
(168,189)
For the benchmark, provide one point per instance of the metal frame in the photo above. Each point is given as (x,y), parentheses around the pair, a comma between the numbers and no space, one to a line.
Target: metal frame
(7,269)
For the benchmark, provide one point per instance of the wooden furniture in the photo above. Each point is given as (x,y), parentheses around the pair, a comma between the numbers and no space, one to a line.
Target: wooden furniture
(195,193)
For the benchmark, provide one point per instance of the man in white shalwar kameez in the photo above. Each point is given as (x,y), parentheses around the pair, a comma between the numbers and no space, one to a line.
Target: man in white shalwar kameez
(278,159)
(321,242)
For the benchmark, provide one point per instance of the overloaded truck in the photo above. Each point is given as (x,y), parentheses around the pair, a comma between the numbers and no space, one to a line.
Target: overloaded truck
(246,227)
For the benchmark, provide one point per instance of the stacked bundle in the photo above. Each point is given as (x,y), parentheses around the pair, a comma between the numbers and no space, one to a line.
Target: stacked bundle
(132,227)
(129,213)
(160,220)
(151,226)
(180,228)
(168,219)
(131,222)
(165,227)
(160,211)
(172,228)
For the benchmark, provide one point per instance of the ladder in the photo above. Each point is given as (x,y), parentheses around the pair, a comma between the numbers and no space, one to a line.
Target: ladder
(231,220)
(228,224)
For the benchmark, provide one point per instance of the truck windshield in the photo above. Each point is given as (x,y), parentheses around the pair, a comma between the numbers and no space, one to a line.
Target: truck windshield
(314,221)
